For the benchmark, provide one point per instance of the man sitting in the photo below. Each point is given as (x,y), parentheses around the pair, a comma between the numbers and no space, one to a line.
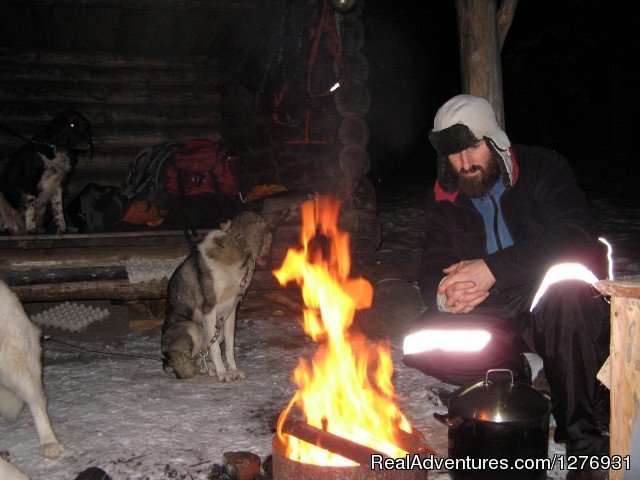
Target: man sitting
(499,217)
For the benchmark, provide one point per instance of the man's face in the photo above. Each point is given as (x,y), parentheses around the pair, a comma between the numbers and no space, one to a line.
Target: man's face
(476,169)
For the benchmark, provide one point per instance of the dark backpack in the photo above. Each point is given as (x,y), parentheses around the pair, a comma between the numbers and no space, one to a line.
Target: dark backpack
(145,179)
(201,166)
(97,208)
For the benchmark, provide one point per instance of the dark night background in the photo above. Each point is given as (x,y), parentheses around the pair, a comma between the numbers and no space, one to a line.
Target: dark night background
(569,71)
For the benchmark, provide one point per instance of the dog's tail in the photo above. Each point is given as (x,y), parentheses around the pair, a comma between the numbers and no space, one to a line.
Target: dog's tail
(10,405)
(180,342)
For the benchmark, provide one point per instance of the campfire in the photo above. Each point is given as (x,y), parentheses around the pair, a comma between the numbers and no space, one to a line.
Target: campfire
(345,392)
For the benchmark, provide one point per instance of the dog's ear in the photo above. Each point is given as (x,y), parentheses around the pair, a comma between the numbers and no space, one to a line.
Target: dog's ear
(225,225)
(274,218)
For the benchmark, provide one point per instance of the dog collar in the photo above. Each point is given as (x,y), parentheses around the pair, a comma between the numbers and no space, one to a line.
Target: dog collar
(242,243)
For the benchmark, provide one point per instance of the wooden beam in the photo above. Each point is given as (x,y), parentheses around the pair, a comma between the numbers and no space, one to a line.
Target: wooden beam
(505,17)
(95,290)
(480,67)
(52,258)
(625,362)
(118,289)
(107,60)
(122,95)
(219,6)
(92,265)
(96,240)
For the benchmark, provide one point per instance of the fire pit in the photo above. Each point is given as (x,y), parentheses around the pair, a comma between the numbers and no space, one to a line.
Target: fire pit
(345,394)
(287,469)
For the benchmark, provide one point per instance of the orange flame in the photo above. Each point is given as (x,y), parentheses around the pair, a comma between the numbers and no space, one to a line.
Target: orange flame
(346,389)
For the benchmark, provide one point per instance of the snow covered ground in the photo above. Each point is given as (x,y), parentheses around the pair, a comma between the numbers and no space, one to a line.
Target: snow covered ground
(127,416)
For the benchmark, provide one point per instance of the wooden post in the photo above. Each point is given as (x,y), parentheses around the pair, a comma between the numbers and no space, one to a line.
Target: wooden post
(625,361)
(480,68)
(482,29)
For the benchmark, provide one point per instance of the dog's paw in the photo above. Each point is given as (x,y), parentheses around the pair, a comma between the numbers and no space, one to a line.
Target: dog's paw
(51,450)
(237,374)
(224,376)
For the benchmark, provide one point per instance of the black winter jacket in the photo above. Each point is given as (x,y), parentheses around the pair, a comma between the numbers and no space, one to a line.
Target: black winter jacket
(547,216)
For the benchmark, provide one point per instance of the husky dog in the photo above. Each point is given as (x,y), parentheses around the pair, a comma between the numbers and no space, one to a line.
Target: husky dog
(20,371)
(204,292)
(35,174)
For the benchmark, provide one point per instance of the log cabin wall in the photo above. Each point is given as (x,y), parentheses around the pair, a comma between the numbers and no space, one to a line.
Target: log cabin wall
(131,102)
(142,72)
(147,71)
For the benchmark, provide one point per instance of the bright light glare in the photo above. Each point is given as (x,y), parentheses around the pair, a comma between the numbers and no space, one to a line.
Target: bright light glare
(560,272)
(446,340)
(335,87)
(609,256)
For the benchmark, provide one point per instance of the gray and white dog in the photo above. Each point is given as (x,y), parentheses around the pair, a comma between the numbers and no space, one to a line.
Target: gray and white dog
(204,292)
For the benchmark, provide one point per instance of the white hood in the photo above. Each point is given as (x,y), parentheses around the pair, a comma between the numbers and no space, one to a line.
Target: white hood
(478,115)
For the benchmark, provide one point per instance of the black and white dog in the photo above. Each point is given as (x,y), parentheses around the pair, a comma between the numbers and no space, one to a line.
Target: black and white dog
(35,174)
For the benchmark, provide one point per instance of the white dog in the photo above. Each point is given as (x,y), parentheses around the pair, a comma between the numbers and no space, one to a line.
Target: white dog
(9,472)
(20,372)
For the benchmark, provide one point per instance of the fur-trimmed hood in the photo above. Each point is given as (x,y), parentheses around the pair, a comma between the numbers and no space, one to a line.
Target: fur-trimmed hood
(460,123)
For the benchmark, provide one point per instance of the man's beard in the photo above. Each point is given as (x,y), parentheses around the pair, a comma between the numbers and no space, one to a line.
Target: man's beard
(481,184)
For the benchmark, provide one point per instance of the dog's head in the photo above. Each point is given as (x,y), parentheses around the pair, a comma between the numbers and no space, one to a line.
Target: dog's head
(257,231)
(70,130)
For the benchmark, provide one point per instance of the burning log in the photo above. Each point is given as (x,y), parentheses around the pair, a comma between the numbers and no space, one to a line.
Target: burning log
(328,441)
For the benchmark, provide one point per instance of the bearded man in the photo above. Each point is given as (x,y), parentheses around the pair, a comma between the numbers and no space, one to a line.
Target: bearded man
(499,217)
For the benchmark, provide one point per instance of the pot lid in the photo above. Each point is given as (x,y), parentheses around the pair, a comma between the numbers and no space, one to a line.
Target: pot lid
(500,401)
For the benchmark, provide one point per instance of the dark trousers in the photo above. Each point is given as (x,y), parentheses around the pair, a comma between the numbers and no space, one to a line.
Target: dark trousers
(569,328)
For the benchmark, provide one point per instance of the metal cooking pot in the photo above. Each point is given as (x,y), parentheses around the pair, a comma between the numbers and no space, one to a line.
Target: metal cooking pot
(497,419)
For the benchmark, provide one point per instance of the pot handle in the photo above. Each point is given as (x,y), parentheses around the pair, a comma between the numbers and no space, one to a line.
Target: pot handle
(494,370)
(448,419)
(545,394)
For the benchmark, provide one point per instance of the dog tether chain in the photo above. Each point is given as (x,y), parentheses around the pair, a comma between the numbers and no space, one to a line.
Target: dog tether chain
(204,353)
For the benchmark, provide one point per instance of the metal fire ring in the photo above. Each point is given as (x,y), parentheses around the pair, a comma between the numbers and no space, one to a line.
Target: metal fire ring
(287,469)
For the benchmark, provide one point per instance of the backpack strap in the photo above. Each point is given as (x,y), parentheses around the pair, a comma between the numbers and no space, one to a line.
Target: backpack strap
(165,152)
(130,184)
(138,179)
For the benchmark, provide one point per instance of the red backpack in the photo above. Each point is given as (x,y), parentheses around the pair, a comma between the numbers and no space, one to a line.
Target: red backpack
(202,166)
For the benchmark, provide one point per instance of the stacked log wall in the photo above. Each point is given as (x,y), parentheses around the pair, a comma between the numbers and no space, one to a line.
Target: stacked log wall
(359,206)
(131,101)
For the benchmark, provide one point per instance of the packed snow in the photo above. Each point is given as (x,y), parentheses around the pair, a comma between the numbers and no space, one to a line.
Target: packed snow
(125,415)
